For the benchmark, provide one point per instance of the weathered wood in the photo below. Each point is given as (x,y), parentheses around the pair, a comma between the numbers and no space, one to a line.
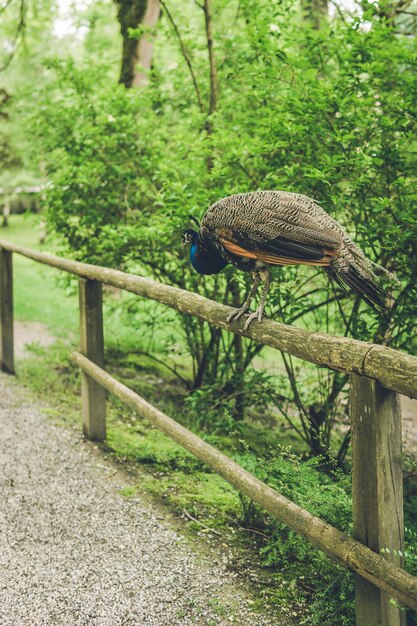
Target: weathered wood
(395,370)
(377,491)
(6,312)
(93,396)
(338,546)
(6,212)
(391,370)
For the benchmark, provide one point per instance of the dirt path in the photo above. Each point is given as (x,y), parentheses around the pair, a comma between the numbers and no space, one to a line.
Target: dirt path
(74,552)
(27,333)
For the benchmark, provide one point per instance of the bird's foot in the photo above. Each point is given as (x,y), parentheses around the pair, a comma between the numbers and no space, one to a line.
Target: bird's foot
(237,313)
(253,316)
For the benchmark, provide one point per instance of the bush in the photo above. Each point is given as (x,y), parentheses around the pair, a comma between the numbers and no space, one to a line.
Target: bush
(327,113)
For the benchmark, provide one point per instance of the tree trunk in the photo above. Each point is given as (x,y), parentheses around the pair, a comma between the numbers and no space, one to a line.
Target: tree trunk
(315,12)
(137,53)
(214,84)
(145,44)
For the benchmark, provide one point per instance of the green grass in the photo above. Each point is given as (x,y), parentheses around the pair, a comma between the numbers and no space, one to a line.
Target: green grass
(41,293)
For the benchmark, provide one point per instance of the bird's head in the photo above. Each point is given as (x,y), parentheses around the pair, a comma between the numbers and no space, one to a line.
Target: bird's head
(189,237)
(204,258)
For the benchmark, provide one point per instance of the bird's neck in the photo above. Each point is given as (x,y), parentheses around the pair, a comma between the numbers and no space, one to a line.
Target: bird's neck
(205,259)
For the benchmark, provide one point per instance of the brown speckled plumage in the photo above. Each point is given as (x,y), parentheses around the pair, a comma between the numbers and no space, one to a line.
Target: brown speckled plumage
(264,215)
(257,230)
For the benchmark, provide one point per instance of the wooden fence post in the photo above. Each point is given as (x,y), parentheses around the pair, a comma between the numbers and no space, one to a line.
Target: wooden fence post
(377,491)
(93,396)
(6,312)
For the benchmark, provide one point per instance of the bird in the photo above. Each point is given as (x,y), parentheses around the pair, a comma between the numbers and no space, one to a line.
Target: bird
(258,230)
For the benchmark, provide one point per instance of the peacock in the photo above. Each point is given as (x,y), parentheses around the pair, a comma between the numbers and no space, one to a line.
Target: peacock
(257,230)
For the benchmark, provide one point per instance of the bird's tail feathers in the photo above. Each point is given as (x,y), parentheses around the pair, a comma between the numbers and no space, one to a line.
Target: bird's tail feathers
(380,269)
(366,267)
(367,288)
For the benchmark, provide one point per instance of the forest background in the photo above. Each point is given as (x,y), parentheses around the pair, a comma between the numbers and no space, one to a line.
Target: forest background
(129,116)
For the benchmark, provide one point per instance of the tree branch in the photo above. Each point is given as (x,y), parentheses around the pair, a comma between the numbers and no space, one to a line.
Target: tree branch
(314,307)
(185,55)
(184,381)
(19,31)
(214,84)
(5,6)
(339,11)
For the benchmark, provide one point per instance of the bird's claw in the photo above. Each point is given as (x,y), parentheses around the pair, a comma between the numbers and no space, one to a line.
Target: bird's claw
(237,314)
(253,316)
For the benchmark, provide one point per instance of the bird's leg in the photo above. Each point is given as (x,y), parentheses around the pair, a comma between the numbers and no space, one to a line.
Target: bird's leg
(265,276)
(237,314)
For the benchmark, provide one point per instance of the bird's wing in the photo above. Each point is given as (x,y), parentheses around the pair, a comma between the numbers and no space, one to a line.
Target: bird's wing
(274,227)
(281,256)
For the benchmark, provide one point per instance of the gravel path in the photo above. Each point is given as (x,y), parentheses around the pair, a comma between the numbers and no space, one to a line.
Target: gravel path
(75,552)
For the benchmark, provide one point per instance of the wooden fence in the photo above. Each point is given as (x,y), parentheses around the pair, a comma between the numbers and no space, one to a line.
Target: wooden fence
(378,374)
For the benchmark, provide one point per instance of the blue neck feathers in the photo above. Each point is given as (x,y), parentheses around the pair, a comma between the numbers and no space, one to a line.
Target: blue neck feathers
(205,260)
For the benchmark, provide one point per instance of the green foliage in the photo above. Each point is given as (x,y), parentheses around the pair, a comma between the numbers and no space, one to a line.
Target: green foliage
(214,408)
(328,112)
(91,137)
(330,499)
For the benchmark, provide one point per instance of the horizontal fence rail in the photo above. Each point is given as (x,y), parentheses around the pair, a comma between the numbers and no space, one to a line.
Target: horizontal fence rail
(393,369)
(377,375)
(334,543)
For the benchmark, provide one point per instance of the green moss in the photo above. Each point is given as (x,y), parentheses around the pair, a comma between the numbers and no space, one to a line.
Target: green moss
(176,476)
(146,446)
(50,374)
(128,492)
